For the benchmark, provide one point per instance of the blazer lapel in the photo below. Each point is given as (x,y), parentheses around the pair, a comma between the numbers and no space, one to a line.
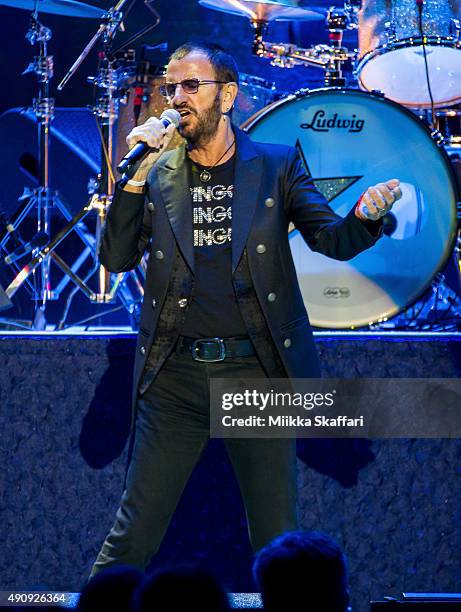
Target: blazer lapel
(247,185)
(175,191)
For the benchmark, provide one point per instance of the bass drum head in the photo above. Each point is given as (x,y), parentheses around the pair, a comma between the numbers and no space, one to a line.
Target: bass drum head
(351,140)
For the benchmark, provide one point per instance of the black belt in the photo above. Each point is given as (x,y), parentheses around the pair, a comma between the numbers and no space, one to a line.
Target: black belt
(215,349)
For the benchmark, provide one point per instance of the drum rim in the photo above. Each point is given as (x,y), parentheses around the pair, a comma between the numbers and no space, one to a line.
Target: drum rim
(445,112)
(247,78)
(403,43)
(259,115)
(413,41)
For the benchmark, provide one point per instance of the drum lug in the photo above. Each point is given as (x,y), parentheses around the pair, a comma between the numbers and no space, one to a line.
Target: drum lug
(378,93)
(389,28)
(302,93)
(455,28)
(356,63)
(437,137)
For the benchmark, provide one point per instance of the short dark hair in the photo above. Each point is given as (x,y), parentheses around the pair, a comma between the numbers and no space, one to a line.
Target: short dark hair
(303,566)
(110,589)
(223,63)
(175,587)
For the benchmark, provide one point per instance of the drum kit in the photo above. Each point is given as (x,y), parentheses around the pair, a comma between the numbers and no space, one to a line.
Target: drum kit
(397,118)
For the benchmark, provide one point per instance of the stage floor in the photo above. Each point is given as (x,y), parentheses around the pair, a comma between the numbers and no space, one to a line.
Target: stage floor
(65,415)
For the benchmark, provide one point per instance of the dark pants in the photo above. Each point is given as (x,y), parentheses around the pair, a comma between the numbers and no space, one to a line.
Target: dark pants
(171,431)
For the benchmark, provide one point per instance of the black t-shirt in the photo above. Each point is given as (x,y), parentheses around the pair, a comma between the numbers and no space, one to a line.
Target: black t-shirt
(213,310)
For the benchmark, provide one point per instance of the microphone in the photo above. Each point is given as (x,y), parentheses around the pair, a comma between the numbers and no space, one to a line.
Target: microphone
(38,241)
(168,117)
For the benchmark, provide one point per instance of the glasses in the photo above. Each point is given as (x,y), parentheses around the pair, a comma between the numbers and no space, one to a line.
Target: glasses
(189,86)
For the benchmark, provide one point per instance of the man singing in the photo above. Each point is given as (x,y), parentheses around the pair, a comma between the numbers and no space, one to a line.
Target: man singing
(221,296)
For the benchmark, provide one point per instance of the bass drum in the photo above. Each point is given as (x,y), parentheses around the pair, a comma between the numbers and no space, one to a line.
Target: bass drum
(350,140)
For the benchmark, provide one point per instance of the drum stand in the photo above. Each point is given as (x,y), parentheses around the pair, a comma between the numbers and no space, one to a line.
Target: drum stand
(43,198)
(106,113)
(330,58)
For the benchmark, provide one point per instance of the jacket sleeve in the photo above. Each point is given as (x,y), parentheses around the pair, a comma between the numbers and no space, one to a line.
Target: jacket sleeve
(126,232)
(323,230)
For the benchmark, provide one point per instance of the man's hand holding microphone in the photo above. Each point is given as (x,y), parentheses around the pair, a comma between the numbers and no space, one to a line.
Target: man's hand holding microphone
(147,142)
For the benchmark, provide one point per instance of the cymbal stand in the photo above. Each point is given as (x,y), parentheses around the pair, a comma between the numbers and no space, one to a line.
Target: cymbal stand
(43,198)
(106,112)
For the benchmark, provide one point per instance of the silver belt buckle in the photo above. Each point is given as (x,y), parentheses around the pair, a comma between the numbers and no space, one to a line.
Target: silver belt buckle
(219,341)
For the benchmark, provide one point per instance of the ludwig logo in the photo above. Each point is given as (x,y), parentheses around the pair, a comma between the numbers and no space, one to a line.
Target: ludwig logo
(321,123)
(337,292)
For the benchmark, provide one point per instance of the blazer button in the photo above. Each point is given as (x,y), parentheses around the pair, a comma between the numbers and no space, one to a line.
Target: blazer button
(287,343)
(269,202)
(271,297)
(182,303)
(261,248)
(142,350)
(159,255)
(150,207)
(154,303)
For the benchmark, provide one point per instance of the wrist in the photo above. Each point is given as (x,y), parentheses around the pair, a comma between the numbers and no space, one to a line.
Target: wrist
(135,175)
(132,188)
(359,214)
(133,184)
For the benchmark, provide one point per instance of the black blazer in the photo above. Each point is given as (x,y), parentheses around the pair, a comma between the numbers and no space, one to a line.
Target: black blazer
(271,189)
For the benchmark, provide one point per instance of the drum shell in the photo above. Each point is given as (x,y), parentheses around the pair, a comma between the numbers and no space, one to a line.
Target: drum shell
(391,55)
(394,273)
(402,17)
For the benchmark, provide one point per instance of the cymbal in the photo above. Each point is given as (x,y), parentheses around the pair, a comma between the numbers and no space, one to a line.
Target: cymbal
(69,8)
(264,10)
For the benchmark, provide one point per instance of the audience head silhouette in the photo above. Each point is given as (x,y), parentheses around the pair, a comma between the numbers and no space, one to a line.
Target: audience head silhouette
(302,571)
(180,588)
(110,589)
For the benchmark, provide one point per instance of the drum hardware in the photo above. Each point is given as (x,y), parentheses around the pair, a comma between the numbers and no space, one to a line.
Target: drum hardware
(108,81)
(113,80)
(5,301)
(43,199)
(438,137)
(330,58)
(455,28)
(391,37)
(432,312)
(448,123)
(438,311)
(425,116)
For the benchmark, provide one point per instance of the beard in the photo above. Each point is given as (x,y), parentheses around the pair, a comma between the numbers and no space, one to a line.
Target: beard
(206,124)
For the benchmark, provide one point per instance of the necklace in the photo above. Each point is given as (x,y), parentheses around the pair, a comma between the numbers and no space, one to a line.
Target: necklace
(205,174)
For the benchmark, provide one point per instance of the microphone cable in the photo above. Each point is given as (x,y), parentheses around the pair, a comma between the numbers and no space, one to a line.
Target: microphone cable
(420,4)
